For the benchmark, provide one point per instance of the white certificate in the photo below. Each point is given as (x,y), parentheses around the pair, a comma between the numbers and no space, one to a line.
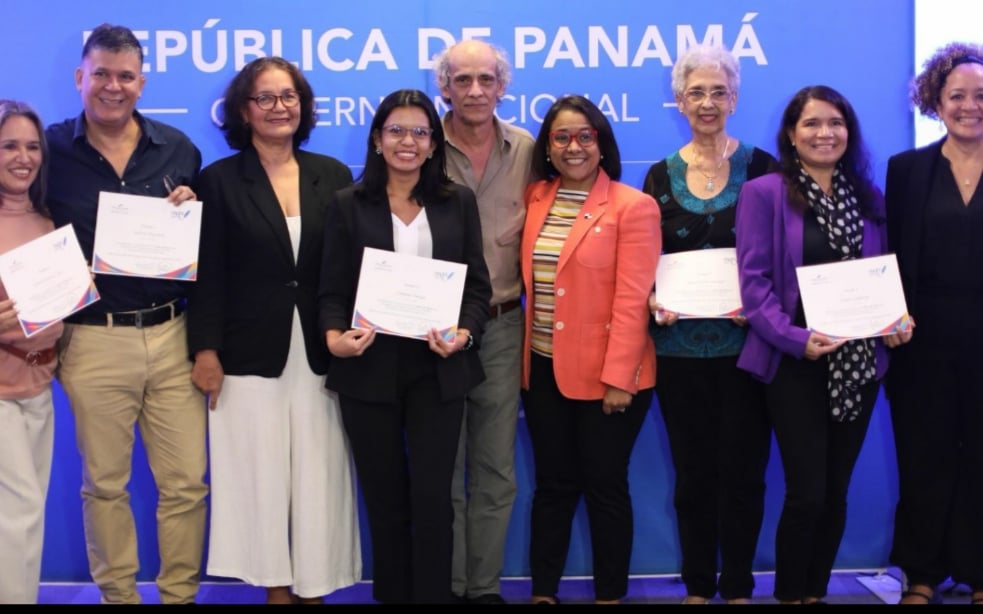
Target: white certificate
(48,279)
(854,299)
(408,295)
(142,236)
(701,283)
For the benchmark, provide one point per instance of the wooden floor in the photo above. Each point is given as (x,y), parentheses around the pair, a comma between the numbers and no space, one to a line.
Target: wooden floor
(846,587)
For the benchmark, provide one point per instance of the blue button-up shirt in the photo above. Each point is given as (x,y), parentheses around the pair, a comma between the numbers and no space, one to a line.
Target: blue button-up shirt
(78,172)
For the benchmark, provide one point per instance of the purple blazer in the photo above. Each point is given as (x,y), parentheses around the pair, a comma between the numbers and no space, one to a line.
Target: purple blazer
(769,247)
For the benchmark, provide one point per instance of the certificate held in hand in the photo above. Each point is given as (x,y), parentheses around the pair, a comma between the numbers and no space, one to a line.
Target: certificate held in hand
(701,283)
(408,295)
(48,278)
(143,236)
(854,299)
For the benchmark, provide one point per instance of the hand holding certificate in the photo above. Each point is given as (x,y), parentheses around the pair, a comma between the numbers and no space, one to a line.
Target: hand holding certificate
(854,299)
(48,278)
(408,295)
(699,283)
(142,236)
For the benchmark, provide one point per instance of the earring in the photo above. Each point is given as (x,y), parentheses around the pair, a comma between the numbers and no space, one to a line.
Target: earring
(430,155)
(548,161)
(378,150)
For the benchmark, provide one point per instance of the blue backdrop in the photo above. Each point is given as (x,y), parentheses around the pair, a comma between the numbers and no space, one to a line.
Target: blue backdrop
(621,57)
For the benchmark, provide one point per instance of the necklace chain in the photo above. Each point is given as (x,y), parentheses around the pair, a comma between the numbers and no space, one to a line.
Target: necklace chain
(711,176)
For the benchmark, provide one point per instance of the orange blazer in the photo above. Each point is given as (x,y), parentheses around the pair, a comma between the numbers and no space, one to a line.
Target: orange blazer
(604,277)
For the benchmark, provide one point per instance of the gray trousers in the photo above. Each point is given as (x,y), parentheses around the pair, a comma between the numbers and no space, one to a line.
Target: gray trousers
(484,488)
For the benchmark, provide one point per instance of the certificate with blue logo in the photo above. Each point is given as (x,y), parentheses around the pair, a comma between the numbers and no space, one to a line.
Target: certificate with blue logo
(48,278)
(407,295)
(854,299)
(702,283)
(144,236)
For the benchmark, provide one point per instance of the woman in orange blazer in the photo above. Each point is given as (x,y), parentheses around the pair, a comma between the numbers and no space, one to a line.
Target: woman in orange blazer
(589,251)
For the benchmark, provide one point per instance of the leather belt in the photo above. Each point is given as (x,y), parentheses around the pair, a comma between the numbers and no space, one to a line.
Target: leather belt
(33,358)
(507,306)
(141,318)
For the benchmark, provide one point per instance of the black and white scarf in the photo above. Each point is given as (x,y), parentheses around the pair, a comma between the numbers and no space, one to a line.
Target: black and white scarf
(852,365)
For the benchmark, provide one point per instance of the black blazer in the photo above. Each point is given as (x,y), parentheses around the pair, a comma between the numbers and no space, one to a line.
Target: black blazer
(909,180)
(356,221)
(248,284)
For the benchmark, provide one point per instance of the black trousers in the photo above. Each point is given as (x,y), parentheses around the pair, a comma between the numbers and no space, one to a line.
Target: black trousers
(580,451)
(937,418)
(404,456)
(818,457)
(720,439)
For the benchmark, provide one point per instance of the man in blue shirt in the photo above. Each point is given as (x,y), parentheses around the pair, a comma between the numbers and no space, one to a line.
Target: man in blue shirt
(124,359)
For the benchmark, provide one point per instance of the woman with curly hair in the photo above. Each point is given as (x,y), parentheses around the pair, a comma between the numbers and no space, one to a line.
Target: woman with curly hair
(935,216)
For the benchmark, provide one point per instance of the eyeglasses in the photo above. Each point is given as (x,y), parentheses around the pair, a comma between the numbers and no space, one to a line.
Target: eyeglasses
(266,102)
(717,95)
(397,132)
(561,139)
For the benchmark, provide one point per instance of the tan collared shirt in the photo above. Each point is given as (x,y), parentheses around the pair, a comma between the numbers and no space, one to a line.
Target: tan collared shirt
(501,203)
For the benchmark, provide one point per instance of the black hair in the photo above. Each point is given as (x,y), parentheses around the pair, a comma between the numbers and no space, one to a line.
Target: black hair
(610,155)
(854,164)
(238,133)
(434,182)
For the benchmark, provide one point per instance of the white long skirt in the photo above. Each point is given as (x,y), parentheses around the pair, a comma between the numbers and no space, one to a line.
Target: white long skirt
(283,501)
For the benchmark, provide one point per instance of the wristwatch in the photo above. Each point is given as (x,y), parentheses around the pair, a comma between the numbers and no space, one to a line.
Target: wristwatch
(470,343)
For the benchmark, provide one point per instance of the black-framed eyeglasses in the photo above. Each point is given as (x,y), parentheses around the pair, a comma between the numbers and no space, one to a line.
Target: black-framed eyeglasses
(397,132)
(266,102)
(717,95)
(561,139)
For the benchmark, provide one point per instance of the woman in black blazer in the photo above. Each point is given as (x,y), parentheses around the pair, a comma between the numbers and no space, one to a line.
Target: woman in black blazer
(935,221)
(284,511)
(402,399)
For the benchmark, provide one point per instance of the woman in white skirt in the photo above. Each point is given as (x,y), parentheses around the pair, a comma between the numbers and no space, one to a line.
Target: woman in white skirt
(283,502)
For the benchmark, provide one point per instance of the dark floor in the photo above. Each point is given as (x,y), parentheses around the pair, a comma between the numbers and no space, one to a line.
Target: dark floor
(846,587)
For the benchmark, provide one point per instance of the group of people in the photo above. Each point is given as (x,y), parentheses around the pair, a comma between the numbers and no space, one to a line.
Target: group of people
(259,359)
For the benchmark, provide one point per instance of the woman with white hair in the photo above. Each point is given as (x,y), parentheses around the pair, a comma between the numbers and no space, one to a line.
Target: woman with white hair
(718,432)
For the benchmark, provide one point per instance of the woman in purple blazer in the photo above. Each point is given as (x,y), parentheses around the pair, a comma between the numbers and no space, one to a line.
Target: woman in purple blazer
(821,207)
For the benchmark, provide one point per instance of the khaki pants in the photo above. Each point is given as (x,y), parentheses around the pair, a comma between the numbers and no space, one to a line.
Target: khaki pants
(117,377)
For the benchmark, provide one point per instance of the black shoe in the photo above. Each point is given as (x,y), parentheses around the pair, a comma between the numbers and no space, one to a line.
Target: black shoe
(488,598)
(457,599)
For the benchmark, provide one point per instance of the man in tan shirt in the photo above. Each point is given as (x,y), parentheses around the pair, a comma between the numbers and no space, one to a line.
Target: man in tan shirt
(493,159)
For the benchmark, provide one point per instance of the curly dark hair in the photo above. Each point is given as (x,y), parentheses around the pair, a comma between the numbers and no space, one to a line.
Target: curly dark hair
(238,134)
(855,163)
(610,155)
(926,88)
(434,182)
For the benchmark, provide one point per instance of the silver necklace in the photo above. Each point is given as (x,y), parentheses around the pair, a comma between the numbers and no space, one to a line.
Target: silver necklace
(711,176)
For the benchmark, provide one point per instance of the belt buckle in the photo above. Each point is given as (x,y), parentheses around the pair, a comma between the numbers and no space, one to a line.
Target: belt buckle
(138,319)
(33,358)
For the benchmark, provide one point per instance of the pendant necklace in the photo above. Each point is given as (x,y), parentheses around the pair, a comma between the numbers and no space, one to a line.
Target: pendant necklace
(711,176)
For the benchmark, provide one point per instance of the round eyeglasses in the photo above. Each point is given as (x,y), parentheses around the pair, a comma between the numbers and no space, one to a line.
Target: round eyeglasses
(561,139)
(266,102)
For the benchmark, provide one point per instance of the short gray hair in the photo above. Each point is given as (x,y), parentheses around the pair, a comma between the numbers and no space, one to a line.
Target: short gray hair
(705,56)
(442,65)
